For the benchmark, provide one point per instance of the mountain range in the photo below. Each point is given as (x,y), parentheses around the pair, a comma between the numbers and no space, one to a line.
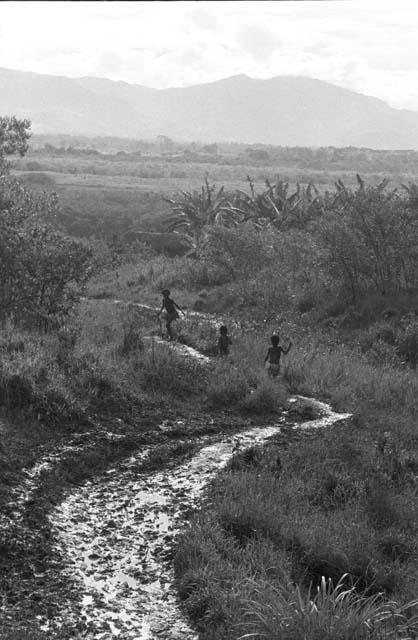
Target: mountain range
(285,110)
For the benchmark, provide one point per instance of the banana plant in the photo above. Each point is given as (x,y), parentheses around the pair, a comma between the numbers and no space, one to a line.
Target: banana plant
(275,207)
(193,212)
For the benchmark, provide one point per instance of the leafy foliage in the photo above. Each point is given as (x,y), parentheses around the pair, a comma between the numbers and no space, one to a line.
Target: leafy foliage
(14,136)
(274,206)
(195,211)
(349,243)
(370,236)
(42,270)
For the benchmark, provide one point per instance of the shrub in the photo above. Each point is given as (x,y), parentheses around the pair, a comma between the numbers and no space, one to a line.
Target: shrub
(161,369)
(266,398)
(43,271)
(227,386)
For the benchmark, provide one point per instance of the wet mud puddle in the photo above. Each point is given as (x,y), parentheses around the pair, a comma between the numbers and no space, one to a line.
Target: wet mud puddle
(115,536)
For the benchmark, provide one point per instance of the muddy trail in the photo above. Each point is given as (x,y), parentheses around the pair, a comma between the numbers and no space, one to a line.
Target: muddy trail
(116,536)
(112,538)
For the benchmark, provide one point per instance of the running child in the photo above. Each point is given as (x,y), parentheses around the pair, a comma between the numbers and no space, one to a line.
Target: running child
(171,310)
(224,341)
(274,354)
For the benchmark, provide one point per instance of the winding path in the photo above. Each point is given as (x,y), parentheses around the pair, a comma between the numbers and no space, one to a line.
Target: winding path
(115,533)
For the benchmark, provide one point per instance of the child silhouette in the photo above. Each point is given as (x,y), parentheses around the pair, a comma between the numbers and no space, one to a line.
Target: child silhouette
(274,354)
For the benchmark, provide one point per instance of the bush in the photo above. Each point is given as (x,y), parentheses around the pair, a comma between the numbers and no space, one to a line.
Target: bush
(43,271)
(161,369)
(227,386)
(267,398)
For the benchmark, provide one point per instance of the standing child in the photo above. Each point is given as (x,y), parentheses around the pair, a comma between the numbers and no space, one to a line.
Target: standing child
(171,309)
(224,341)
(274,354)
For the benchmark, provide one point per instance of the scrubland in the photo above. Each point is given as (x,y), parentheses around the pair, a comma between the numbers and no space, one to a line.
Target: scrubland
(311,536)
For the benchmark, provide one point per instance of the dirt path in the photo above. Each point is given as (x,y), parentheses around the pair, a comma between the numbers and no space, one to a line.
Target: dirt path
(115,537)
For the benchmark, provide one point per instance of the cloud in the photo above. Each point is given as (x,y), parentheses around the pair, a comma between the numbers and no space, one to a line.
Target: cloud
(162,52)
(364,45)
(204,19)
(110,63)
(259,41)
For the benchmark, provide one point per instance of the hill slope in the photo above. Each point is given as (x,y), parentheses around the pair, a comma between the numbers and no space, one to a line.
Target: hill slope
(286,110)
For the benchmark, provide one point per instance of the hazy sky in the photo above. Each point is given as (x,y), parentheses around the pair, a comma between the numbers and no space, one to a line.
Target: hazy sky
(366,45)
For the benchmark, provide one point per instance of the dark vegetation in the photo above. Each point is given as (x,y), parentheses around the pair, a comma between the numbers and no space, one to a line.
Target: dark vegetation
(313,536)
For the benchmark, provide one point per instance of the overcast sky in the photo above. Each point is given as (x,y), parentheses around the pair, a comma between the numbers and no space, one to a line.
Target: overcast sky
(366,45)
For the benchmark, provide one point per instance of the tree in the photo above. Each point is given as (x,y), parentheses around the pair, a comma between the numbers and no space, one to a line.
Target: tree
(371,235)
(42,270)
(14,136)
(239,252)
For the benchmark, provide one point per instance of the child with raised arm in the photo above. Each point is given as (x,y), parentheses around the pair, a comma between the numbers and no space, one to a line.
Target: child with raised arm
(274,354)
(224,341)
(171,310)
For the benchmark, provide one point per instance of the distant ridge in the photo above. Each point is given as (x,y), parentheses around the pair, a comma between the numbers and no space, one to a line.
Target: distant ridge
(285,110)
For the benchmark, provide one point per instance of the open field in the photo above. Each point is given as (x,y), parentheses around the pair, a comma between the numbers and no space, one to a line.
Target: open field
(176,173)
(106,194)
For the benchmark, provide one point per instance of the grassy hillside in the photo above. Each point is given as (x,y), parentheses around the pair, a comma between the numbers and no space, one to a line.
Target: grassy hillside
(312,536)
(335,510)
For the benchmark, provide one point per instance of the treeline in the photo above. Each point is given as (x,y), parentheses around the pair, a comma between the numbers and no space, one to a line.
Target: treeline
(321,158)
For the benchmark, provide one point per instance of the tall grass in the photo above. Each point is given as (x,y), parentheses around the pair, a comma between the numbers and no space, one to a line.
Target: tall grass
(381,395)
(335,508)
(140,279)
(328,613)
(101,362)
